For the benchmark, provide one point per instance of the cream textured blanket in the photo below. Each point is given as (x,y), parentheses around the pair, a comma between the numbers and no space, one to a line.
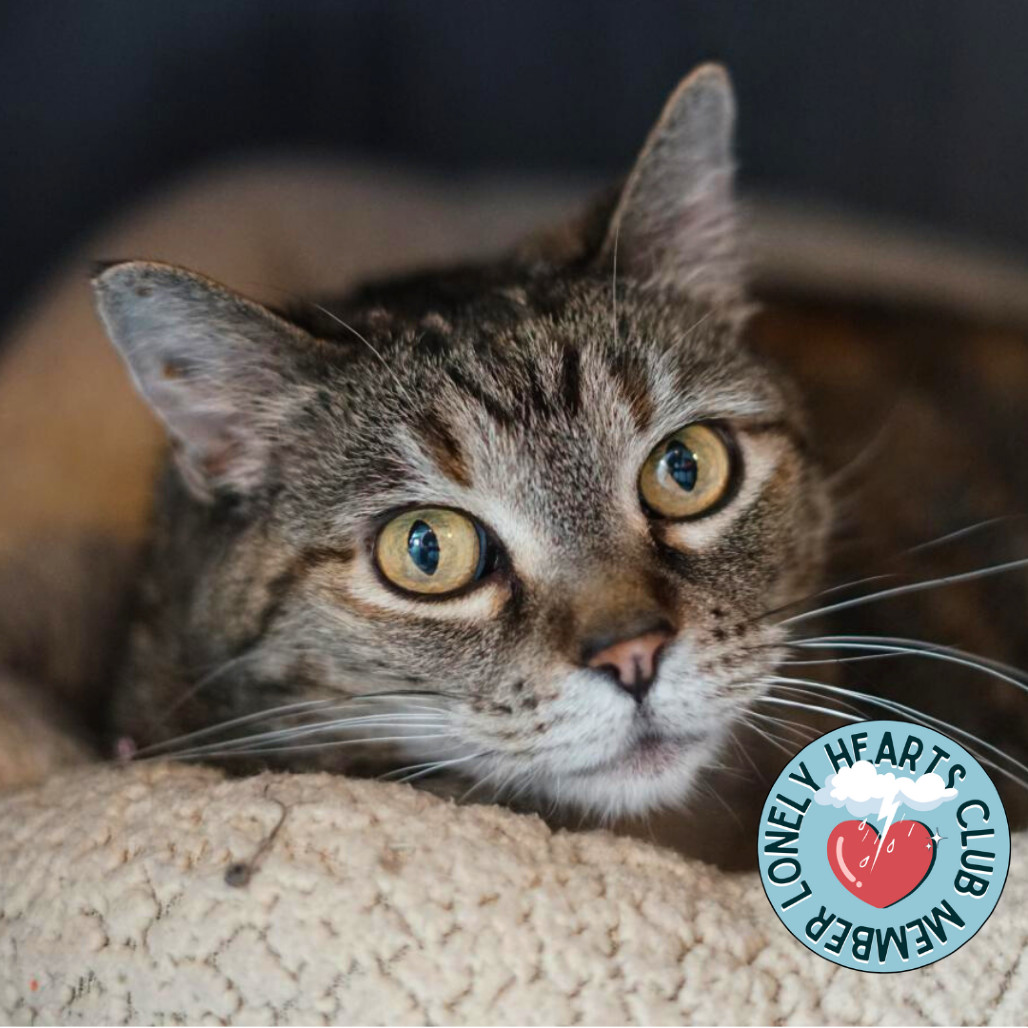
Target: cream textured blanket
(376,903)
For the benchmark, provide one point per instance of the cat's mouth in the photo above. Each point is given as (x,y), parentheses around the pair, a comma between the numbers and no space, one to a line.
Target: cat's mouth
(653,754)
(650,754)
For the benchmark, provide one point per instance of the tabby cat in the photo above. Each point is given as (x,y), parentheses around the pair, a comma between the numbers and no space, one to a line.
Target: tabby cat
(550,528)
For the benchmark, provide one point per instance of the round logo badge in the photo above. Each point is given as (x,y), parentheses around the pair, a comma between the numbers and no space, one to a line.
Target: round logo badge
(883,846)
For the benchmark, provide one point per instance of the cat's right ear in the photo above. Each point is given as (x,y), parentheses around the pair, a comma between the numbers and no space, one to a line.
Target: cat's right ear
(218,370)
(674,223)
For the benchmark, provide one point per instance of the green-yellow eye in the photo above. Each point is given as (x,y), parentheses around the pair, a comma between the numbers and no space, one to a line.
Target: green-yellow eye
(431,550)
(687,474)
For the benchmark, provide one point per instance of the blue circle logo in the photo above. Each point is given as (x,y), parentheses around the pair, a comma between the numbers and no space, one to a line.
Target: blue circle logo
(883,846)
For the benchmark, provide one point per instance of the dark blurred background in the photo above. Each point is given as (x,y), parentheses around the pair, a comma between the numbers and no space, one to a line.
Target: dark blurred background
(905,108)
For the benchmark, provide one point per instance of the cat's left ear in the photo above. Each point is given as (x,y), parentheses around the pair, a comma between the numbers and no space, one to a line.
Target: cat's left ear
(674,223)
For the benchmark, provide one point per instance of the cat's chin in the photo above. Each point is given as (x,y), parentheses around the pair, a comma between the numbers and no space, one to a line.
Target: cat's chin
(654,773)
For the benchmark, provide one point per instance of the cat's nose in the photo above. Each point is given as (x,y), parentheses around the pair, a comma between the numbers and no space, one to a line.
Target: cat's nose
(632,658)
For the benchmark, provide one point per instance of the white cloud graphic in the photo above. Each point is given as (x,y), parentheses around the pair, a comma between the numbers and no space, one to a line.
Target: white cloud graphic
(861,789)
(864,791)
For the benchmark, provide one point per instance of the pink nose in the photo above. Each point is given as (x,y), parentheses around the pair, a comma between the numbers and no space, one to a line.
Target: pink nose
(632,661)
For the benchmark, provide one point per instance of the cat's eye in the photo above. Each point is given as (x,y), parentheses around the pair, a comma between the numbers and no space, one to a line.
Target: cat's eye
(431,550)
(688,474)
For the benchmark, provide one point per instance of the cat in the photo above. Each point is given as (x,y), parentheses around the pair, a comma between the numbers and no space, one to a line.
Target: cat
(538,529)
(463,487)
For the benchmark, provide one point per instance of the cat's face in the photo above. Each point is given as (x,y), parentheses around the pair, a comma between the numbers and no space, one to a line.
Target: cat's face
(537,427)
(556,505)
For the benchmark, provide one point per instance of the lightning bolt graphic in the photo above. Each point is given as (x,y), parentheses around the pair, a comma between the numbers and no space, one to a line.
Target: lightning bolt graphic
(887,812)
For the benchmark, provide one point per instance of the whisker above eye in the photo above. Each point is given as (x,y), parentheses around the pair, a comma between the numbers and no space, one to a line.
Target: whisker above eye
(385,364)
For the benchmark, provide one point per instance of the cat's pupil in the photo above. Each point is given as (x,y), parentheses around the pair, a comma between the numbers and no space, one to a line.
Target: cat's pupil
(681,465)
(423,547)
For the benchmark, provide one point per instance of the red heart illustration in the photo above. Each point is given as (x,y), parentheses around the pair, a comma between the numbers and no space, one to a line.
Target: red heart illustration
(902,865)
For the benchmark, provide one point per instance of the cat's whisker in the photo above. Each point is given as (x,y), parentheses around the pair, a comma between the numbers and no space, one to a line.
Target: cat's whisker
(385,364)
(871,449)
(905,590)
(982,759)
(614,283)
(742,751)
(387,698)
(283,711)
(962,533)
(498,779)
(287,745)
(830,591)
(915,715)
(886,646)
(781,701)
(298,709)
(480,784)
(796,727)
(821,662)
(941,540)
(300,731)
(763,733)
(304,747)
(251,653)
(525,783)
(428,767)
(772,740)
(769,718)
(172,747)
(709,790)
(750,697)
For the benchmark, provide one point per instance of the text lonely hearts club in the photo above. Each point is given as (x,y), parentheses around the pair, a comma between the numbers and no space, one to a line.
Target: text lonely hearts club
(883,846)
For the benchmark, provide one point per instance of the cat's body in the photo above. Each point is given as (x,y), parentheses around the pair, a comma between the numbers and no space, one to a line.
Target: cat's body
(527,394)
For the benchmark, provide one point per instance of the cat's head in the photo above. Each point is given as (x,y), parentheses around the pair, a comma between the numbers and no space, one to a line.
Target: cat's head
(553,495)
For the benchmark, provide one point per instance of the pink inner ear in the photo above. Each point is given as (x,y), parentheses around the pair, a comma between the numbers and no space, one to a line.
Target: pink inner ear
(213,445)
(220,457)
(218,462)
